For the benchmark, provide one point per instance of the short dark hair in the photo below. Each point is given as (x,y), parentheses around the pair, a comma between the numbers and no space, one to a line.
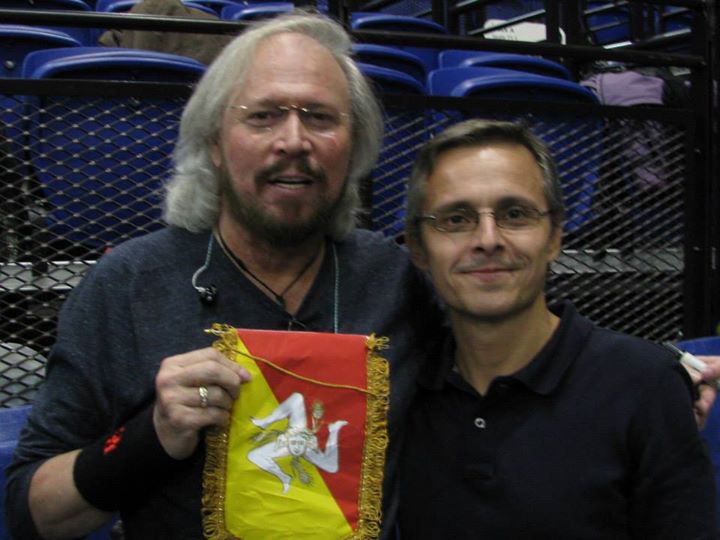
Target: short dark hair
(478,132)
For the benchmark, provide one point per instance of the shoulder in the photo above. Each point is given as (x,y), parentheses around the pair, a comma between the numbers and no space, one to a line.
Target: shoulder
(372,251)
(376,266)
(160,249)
(617,347)
(368,238)
(156,260)
(631,361)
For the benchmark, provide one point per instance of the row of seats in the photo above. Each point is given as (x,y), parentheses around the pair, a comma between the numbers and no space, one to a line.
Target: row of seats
(101,166)
(610,23)
(100,162)
(464,74)
(94,5)
(228,10)
(607,23)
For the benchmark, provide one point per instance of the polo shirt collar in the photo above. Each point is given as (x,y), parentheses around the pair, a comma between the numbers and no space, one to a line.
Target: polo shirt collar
(543,374)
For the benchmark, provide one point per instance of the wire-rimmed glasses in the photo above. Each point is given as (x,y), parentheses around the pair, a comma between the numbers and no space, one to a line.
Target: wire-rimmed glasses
(320,119)
(464,219)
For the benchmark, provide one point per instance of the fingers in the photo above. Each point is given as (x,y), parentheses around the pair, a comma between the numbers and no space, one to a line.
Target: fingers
(204,367)
(712,369)
(193,391)
(204,397)
(704,403)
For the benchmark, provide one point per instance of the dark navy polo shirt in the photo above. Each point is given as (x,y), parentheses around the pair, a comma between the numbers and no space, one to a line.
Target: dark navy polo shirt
(595,438)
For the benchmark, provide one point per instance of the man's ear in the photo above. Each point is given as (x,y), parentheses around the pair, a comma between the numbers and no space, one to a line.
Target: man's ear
(215,153)
(555,243)
(417,251)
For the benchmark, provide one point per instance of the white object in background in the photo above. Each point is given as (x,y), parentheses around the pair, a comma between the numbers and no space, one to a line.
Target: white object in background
(525,31)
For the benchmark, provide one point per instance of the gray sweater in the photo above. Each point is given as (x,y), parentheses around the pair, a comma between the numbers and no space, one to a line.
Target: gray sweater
(137,306)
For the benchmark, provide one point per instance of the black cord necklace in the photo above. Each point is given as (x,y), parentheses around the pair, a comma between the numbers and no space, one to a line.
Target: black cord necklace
(279,298)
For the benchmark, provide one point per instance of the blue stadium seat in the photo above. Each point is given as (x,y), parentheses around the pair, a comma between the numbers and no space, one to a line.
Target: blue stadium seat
(17,41)
(576,144)
(111,63)
(360,20)
(101,161)
(12,421)
(672,19)
(47,4)
(405,131)
(391,57)
(505,84)
(84,35)
(252,12)
(115,6)
(391,81)
(709,346)
(519,62)
(607,23)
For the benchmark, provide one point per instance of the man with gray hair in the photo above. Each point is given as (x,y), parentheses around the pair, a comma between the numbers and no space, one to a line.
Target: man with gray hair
(533,423)
(261,212)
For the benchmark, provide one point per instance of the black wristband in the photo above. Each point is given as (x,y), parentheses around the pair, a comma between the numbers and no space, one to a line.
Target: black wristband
(115,470)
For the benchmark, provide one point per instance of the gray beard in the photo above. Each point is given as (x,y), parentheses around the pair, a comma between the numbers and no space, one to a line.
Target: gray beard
(265,227)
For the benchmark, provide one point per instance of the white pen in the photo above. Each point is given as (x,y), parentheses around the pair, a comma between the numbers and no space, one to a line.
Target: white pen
(693,362)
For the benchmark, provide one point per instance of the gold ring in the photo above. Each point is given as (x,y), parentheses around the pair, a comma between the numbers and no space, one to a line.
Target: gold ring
(203,391)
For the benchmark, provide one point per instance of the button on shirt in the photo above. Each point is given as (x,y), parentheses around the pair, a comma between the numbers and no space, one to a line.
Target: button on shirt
(595,438)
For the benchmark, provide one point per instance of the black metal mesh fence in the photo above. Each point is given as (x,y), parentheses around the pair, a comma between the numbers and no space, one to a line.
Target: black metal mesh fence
(83,174)
(624,184)
(79,175)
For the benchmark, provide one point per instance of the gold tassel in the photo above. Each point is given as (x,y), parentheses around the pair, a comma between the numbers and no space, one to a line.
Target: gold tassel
(216,445)
(376,441)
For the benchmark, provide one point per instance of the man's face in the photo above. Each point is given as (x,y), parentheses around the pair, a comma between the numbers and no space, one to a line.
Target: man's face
(296,445)
(282,183)
(490,274)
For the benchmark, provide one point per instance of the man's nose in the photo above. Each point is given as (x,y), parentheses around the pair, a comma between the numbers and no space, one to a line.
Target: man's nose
(291,136)
(487,236)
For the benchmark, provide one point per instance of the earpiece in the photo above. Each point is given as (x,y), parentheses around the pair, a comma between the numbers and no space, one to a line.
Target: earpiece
(207,294)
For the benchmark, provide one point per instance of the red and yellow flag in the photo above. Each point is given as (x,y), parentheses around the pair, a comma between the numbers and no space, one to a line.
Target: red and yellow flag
(303,455)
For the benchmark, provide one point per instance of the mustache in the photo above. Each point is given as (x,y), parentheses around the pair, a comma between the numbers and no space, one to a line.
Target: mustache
(301,164)
(478,265)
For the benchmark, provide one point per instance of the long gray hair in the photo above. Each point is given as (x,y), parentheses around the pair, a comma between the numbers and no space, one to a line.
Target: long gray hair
(477,132)
(192,197)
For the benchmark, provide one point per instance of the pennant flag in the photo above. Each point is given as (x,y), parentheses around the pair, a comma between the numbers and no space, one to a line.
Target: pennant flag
(304,453)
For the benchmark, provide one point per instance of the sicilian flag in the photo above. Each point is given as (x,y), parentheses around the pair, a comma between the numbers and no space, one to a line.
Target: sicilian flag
(303,455)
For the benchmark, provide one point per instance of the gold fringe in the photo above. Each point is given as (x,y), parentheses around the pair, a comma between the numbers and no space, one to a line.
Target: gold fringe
(376,441)
(216,445)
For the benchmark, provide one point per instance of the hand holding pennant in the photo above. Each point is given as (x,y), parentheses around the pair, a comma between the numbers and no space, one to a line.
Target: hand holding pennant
(303,455)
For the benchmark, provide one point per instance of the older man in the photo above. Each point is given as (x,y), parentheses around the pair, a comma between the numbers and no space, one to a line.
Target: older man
(533,423)
(262,208)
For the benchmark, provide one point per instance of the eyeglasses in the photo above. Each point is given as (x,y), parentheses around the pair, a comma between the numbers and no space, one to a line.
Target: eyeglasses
(318,119)
(513,218)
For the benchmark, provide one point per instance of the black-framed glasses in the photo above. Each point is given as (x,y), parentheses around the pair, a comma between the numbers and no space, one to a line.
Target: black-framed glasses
(463,219)
(316,118)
